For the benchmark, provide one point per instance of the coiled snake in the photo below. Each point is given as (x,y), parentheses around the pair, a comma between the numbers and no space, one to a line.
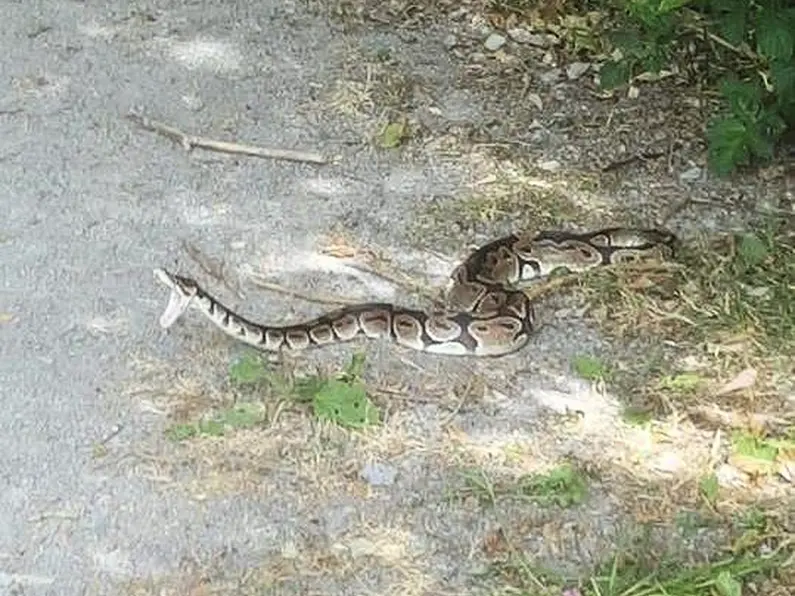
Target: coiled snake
(486,313)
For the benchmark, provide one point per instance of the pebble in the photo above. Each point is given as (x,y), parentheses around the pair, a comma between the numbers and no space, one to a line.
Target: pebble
(494,42)
(576,69)
(533,39)
(550,76)
(690,175)
(551,165)
(450,41)
(378,474)
(520,35)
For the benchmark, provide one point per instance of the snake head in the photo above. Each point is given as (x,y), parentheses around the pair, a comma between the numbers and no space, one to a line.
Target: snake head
(182,292)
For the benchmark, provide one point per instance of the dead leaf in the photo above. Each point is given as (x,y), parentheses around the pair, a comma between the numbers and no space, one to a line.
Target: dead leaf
(7,317)
(743,380)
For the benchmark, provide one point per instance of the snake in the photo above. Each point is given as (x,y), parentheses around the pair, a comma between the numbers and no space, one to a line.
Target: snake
(486,310)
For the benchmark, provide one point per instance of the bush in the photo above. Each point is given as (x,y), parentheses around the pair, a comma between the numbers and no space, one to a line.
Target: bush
(754,41)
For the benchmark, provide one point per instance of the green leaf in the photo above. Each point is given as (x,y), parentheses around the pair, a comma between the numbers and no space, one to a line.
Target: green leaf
(783,77)
(728,146)
(732,22)
(751,446)
(345,404)
(684,382)
(726,585)
(614,74)
(774,36)
(745,99)
(393,134)
(671,5)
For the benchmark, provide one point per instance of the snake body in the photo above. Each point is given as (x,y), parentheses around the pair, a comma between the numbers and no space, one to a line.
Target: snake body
(487,312)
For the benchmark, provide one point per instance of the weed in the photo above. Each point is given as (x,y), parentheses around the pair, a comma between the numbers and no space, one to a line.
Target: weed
(591,368)
(563,486)
(759,94)
(241,416)
(626,575)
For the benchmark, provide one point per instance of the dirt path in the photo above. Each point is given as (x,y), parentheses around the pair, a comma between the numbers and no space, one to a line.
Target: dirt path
(475,462)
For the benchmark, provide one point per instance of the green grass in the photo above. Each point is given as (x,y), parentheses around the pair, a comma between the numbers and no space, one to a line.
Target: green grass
(341,399)
(241,416)
(643,572)
(591,368)
(563,486)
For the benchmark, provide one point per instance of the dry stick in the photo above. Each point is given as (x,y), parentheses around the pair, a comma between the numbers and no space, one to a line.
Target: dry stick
(327,300)
(213,267)
(189,142)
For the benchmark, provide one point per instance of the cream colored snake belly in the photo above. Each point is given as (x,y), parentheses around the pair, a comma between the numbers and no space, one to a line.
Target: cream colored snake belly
(487,312)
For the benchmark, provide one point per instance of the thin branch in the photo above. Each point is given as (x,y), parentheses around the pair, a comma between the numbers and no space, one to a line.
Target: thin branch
(188,142)
(318,299)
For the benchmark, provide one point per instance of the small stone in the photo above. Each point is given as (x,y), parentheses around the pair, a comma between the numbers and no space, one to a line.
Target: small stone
(450,41)
(551,165)
(535,99)
(576,69)
(539,41)
(494,42)
(378,474)
(551,76)
(690,175)
(520,35)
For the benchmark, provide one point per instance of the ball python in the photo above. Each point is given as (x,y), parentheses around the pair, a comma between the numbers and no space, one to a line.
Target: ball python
(486,311)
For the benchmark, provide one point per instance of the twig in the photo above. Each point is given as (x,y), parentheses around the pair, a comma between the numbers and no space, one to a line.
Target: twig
(188,142)
(641,156)
(406,283)
(327,300)
(745,52)
(212,267)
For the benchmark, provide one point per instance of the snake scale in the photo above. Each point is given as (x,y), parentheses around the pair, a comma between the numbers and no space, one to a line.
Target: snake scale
(486,311)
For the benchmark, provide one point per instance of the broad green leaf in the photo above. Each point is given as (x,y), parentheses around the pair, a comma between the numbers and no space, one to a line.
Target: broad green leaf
(744,98)
(345,404)
(732,22)
(774,35)
(783,76)
(728,146)
(393,134)
(614,74)
(753,250)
